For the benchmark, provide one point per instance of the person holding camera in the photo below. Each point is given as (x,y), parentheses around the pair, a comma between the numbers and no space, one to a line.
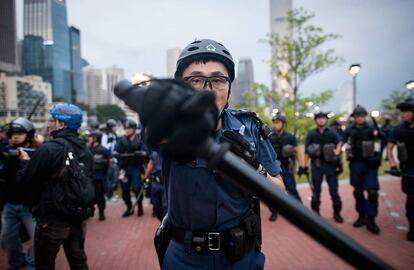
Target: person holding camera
(322,148)
(16,213)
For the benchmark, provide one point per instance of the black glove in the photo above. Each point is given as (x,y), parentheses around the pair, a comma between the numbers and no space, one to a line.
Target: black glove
(173,112)
(240,147)
(303,170)
(394,171)
(339,168)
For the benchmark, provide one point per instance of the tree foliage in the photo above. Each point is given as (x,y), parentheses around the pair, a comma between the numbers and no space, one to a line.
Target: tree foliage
(299,121)
(389,104)
(296,58)
(105,112)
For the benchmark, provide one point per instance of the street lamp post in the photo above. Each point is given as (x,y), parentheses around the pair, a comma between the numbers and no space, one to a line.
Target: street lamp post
(353,70)
(410,87)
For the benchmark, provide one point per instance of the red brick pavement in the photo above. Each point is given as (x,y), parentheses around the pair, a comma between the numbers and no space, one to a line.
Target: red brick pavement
(119,243)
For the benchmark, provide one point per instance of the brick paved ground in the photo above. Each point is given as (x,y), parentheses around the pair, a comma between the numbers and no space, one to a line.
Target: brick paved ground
(127,243)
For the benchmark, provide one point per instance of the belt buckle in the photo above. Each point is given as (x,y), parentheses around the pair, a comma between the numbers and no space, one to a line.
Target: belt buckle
(213,241)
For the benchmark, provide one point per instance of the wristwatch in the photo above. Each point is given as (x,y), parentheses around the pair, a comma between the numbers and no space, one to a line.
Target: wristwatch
(263,171)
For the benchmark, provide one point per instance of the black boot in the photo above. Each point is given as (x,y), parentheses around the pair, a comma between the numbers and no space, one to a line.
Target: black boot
(128,212)
(361,221)
(337,217)
(410,234)
(101,215)
(140,210)
(372,226)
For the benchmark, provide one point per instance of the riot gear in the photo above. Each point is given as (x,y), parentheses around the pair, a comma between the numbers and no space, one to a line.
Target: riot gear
(314,150)
(21,125)
(204,49)
(329,152)
(359,110)
(96,134)
(110,124)
(130,124)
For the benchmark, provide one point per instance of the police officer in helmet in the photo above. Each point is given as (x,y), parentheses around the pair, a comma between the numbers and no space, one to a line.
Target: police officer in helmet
(285,146)
(129,150)
(403,136)
(101,158)
(209,215)
(322,147)
(16,213)
(109,140)
(363,166)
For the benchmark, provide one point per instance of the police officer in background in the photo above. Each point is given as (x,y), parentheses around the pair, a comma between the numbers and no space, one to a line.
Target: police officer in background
(101,158)
(403,136)
(209,215)
(323,148)
(287,153)
(153,175)
(363,166)
(130,151)
(16,213)
(109,140)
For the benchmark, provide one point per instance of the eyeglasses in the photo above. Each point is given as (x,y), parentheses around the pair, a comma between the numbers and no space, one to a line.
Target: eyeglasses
(200,82)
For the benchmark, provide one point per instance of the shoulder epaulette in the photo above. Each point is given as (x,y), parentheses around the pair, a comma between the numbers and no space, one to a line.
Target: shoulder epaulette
(263,128)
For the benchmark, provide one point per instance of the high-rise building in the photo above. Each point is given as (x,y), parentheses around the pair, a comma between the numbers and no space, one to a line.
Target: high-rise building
(8,37)
(172,56)
(19,96)
(94,86)
(278,25)
(46,45)
(78,95)
(244,82)
(113,75)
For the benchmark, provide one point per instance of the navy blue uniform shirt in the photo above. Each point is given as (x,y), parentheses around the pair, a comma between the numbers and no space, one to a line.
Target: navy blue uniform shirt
(199,199)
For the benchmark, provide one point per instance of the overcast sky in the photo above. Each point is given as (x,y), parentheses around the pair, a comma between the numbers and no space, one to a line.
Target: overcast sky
(135,35)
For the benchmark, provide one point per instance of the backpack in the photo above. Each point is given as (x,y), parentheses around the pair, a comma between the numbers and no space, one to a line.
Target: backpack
(73,192)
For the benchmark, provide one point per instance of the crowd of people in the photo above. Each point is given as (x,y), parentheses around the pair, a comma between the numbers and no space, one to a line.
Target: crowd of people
(51,183)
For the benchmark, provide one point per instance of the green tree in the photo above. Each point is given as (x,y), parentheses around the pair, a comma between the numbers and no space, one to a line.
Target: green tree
(105,112)
(296,58)
(299,121)
(389,104)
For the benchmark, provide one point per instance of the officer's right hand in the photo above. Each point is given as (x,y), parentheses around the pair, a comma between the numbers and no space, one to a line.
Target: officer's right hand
(182,117)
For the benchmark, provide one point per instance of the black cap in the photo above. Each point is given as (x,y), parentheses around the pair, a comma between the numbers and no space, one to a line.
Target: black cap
(359,110)
(320,114)
(406,105)
(130,124)
(279,117)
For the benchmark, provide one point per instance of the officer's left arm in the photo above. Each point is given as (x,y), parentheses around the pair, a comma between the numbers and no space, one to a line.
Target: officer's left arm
(267,159)
(337,142)
(294,143)
(392,140)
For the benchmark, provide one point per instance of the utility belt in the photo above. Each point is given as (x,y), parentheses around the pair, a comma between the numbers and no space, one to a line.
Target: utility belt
(235,242)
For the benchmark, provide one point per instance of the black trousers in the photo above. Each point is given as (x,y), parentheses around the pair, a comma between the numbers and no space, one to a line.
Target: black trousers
(49,236)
